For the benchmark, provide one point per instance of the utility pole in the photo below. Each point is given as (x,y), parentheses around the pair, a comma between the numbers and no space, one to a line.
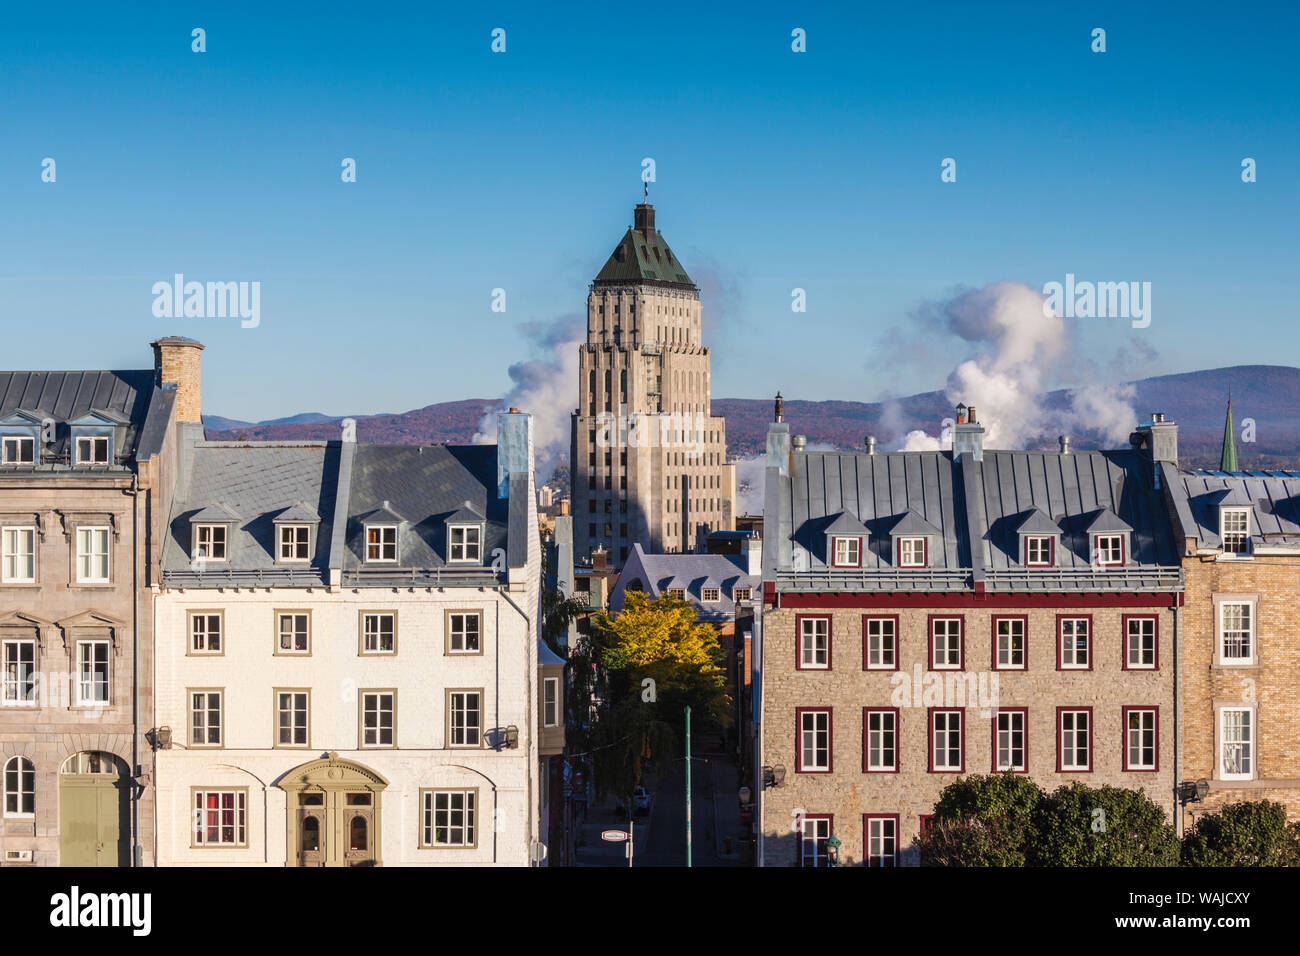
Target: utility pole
(688,785)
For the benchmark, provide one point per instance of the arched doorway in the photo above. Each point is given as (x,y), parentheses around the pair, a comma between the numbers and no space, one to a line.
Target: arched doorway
(94,810)
(333,813)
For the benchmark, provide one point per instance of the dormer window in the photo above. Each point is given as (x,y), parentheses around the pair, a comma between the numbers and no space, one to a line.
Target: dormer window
(912,552)
(381,543)
(1108,550)
(92,450)
(18,450)
(847,552)
(1040,551)
(294,542)
(466,543)
(1234,530)
(210,542)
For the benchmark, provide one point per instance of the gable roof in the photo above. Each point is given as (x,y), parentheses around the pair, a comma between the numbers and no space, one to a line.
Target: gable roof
(846,524)
(1037,522)
(299,511)
(215,512)
(657,573)
(912,523)
(1105,521)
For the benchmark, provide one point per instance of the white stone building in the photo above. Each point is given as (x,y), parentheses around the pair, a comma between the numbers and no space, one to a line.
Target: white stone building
(347,658)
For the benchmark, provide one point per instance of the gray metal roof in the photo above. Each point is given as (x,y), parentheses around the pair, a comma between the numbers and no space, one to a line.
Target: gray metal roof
(124,396)
(428,485)
(260,482)
(1196,496)
(657,573)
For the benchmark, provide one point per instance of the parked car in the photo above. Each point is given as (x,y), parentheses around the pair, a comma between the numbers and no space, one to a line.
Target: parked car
(640,802)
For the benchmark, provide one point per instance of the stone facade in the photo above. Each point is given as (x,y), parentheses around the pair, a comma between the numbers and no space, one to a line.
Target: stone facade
(849,792)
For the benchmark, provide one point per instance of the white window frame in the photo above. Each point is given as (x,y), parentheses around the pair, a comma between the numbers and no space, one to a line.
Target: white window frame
(18,684)
(386,543)
(813,642)
(84,684)
(201,630)
(809,740)
(951,642)
(1073,664)
(93,442)
(373,704)
(550,702)
(459,729)
(710,595)
(293,711)
(881,644)
(878,840)
(944,748)
(377,632)
(1141,730)
(469,551)
(468,815)
(1230,515)
(461,634)
(1221,632)
(1098,550)
(90,560)
(201,718)
(1005,642)
(1139,664)
(1004,740)
(814,841)
(217,540)
(12,538)
(882,739)
(1047,543)
(1072,747)
(846,551)
(287,543)
(1246,743)
(15,444)
(23,773)
(909,548)
(292,633)
(229,802)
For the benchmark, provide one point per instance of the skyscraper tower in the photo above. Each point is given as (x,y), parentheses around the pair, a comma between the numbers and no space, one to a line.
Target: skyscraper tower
(649,459)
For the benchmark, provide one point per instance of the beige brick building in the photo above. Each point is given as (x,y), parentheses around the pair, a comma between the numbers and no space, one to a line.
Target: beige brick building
(649,459)
(1239,691)
(86,475)
(934,614)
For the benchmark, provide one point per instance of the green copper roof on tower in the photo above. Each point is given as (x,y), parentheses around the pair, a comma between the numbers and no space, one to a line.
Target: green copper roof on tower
(1228,460)
(643,256)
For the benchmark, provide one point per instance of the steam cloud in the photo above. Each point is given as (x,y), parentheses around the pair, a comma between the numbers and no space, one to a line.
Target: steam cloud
(546,387)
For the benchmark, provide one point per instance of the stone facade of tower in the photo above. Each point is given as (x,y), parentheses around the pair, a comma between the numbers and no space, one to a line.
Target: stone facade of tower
(649,459)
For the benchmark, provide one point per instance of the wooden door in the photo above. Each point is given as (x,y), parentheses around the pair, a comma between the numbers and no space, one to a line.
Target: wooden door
(94,820)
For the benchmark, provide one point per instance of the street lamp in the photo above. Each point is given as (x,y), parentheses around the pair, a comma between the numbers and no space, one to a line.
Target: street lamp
(773,776)
(833,850)
(1190,791)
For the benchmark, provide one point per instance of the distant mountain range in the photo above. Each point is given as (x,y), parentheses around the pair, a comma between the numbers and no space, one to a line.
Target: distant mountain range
(1269,394)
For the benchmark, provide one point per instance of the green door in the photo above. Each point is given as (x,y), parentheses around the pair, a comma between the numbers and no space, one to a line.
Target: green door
(93,821)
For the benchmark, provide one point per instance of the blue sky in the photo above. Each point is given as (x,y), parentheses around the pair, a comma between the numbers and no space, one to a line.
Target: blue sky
(775,170)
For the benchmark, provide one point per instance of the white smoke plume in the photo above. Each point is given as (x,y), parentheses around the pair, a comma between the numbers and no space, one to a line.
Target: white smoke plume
(1021,348)
(750,479)
(546,387)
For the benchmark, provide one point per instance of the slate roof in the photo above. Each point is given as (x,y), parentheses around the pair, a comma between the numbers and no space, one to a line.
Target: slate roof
(429,486)
(1196,495)
(66,396)
(657,573)
(259,482)
(1037,522)
(976,510)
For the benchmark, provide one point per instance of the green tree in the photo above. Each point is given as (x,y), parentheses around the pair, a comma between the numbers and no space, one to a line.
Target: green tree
(1110,826)
(982,821)
(1243,834)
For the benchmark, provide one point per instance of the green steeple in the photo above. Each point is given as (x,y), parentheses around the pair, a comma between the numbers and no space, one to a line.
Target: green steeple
(1228,460)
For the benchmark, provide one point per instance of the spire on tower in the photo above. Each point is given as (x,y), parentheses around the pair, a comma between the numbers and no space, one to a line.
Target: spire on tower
(1228,459)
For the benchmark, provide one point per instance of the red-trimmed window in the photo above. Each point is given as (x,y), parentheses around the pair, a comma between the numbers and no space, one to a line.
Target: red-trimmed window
(814,831)
(880,643)
(880,832)
(813,739)
(1141,738)
(1011,740)
(927,821)
(1040,550)
(1141,643)
(947,753)
(880,740)
(947,644)
(1074,642)
(1108,550)
(813,651)
(846,552)
(1009,643)
(1074,740)
(913,552)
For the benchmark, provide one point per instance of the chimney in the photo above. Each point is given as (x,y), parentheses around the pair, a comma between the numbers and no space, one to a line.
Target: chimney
(1065,444)
(599,559)
(967,435)
(514,448)
(176,362)
(754,554)
(871,444)
(778,439)
(1158,441)
(643,218)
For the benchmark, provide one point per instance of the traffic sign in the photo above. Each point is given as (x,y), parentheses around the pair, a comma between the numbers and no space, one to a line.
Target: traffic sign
(613,836)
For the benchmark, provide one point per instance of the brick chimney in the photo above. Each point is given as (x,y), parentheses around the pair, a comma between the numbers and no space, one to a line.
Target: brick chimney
(643,220)
(967,435)
(176,362)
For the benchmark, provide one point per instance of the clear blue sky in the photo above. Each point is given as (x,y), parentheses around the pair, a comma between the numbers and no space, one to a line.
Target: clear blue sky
(519,170)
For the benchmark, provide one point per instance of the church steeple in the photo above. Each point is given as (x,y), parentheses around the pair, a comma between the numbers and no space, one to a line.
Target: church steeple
(1228,459)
